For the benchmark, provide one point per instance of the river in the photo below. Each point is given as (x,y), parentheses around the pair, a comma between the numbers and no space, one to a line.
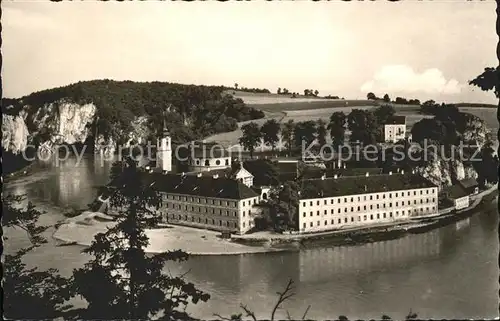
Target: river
(448,273)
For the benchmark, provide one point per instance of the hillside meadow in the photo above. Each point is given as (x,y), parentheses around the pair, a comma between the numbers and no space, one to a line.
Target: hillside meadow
(317,108)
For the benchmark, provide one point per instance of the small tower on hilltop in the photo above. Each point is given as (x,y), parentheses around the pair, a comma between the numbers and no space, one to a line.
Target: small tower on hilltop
(164,150)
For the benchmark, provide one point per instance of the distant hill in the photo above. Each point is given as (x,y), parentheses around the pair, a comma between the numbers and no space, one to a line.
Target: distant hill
(191,111)
(476,105)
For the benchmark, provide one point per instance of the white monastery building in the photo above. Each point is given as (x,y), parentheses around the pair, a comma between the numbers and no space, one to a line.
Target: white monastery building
(395,129)
(220,204)
(218,196)
(344,202)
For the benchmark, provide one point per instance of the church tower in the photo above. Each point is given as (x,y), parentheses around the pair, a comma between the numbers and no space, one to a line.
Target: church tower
(164,151)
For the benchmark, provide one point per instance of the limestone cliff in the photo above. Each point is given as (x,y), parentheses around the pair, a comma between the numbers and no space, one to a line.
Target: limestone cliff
(140,131)
(57,123)
(443,172)
(60,122)
(14,133)
(475,131)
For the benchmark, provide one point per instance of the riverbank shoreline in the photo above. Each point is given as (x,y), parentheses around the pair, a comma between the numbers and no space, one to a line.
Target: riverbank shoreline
(81,230)
(368,234)
(27,170)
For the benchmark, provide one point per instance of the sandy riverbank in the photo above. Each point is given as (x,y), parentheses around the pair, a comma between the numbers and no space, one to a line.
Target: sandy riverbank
(82,229)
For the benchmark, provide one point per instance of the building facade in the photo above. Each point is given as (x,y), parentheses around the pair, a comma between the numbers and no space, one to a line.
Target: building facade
(395,129)
(354,201)
(215,203)
(462,202)
(219,214)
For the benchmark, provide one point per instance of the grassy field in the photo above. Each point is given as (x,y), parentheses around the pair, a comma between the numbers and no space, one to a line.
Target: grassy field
(276,103)
(307,105)
(316,108)
(488,114)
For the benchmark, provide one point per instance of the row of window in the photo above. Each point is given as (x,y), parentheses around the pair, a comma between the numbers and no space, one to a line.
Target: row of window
(207,162)
(203,209)
(352,199)
(370,217)
(400,131)
(215,222)
(209,201)
(200,200)
(371,207)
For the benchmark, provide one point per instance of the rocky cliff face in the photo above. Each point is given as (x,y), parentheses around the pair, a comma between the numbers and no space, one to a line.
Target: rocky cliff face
(61,123)
(58,123)
(442,172)
(476,131)
(14,133)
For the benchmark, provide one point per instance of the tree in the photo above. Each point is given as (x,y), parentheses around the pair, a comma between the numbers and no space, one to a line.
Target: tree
(488,80)
(270,131)
(285,91)
(305,132)
(401,100)
(251,137)
(371,96)
(279,91)
(122,281)
(337,128)
(430,130)
(322,132)
(236,86)
(306,92)
(384,113)
(448,113)
(287,133)
(264,171)
(316,93)
(285,201)
(29,292)
(429,103)
(282,298)
(363,126)
(487,168)
(386,98)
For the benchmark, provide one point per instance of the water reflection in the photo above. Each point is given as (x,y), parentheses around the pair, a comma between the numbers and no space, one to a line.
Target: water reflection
(326,263)
(356,280)
(446,273)
(489,222)
(71,183)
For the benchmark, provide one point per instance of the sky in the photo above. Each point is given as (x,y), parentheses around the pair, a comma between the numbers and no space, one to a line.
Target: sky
(412,49)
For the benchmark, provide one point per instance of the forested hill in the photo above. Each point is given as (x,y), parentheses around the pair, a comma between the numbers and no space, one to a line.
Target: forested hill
(192,111)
